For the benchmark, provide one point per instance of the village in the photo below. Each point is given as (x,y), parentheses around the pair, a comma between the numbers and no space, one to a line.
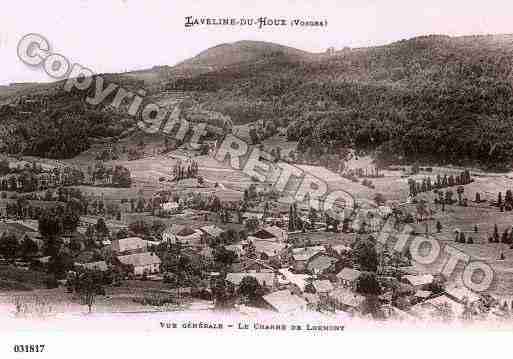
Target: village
(184,245)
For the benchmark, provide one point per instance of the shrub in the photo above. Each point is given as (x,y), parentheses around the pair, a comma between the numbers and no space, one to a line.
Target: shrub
(51,282)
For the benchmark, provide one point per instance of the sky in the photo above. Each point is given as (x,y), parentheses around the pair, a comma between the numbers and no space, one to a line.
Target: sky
(122,35)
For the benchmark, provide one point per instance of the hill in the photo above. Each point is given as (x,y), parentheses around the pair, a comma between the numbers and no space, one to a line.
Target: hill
(431,99)
(238,53)
(434,99)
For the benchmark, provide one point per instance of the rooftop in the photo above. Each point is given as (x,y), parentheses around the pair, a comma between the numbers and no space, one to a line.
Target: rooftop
(346,297)
(322,286)
(140,259)
(263,278)
(128,244)
(418,280)
(349,274)
(100,265)
(284,301)
(212,230)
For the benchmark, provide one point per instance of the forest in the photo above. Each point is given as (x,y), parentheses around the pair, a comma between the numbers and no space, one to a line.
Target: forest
(433,100)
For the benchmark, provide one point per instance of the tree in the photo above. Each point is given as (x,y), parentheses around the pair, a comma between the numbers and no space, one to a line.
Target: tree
(4,167)
(75,245)
(225,256)
(9,245)
(460,190)
(101,227)
(221,293)
(365,255)
(122,233)
(312,216)
(505,236)
(230,236)
(70,221)
(496,233)
(448,196)
(121,177)
(89,285)
(59,264)
(49,224)
(251,289)
(28,248)
(251,225)
(380,199)
(252,192)
(368,284)
(421,209)
(508,199)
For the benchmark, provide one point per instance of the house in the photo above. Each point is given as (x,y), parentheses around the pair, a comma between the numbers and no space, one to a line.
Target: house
(384,211)
(271,233)
(311,249)
(188,235)
(74,236)
(207,253)
(345,300)
(129,245)
(170,207)
(422,294)
(285,302)
(341,249)
(419,282)
(301,256)
(18,228)
(252,215)
(462,294)
(348,278)
(442,307)
(298,280)
(210,233)
(320,263)
(97,266)
(236,248)
(313,300)
(268,250)
(321,287)
(42,261)
(256,265)
(266,280)
(37,238)
(142,263)
(299,261)
(169,234)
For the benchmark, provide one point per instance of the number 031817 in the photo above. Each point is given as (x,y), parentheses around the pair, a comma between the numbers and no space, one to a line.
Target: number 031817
(29,348)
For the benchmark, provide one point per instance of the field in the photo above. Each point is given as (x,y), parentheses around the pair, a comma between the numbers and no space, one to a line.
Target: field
(117,299)
(12,279)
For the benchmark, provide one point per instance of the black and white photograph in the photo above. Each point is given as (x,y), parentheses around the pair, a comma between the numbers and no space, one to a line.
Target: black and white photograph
(248,170)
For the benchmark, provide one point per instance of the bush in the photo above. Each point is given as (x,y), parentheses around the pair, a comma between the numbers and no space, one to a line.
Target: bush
(6,284)
(51,282)
(155,299)
(27,278)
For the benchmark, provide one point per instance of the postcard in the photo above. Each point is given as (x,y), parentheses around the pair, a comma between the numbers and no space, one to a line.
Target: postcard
(274,169)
